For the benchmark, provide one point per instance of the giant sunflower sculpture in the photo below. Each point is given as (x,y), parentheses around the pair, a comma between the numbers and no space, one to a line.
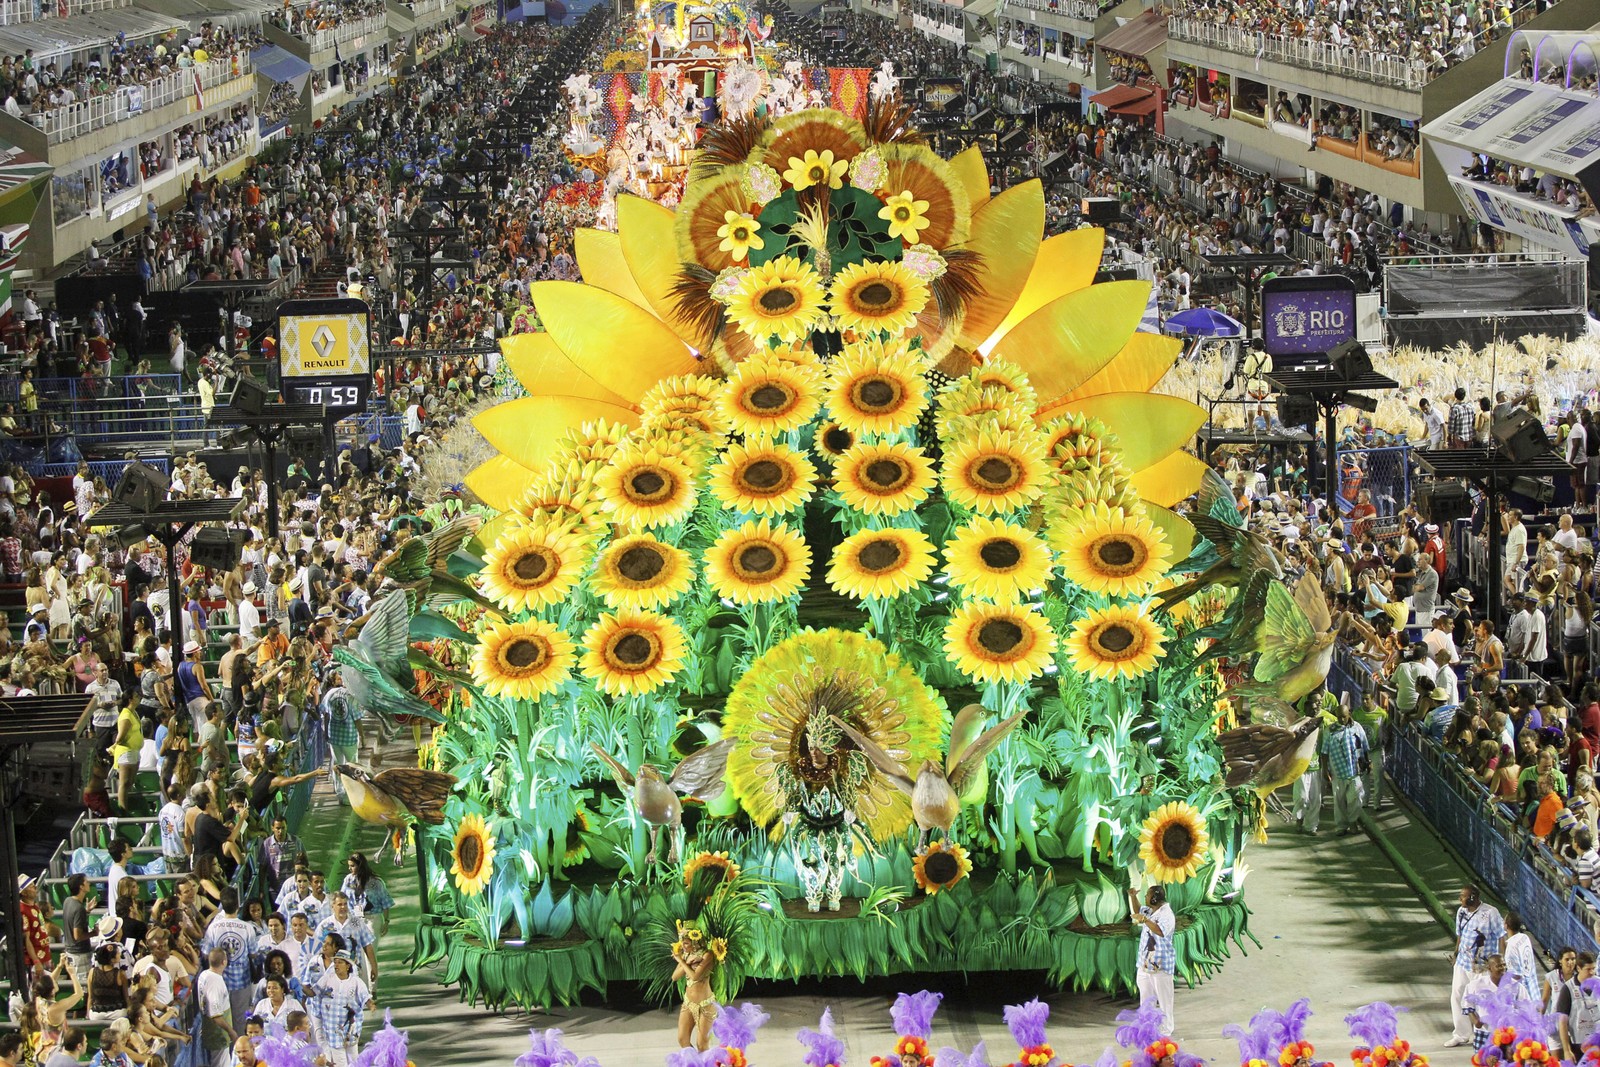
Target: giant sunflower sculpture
(842,401)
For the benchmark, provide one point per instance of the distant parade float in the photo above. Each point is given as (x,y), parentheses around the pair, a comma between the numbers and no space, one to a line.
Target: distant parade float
(834,619)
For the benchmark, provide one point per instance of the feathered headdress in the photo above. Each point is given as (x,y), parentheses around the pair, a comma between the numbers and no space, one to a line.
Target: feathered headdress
(912,1015)
(388,1047)
(1377,1028)
(1257,1042)
(953,1057)
(1141,1033)
(1518,1030)
(735,1030)
(546,1049)
(823,1048)
(1292,1045)
(281,1050)
(1026,1023)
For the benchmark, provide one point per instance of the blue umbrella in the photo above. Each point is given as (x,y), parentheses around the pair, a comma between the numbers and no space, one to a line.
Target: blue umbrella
(1203,322)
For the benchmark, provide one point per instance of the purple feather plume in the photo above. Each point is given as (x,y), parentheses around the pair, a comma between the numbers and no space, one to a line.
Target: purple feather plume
(1376,1024)
(1141,1027)
(736,1027)
(1108,1058)
(716,1056)
(1187,1059)
(824,1047)
(388,1047)
(1026,1022)
(1506,1006)
(1292,1023)
(954,1057)
(546,1049)
(912,1014)
(1258,1041)
(281,1050)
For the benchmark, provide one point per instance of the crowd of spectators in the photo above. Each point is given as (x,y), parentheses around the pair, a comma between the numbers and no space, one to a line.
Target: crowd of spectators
(307,19)
(1429,36)
(32,89)
(214,713)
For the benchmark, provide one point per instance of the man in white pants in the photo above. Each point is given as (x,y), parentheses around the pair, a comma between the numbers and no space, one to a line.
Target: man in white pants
(1157,958)
(1478,930)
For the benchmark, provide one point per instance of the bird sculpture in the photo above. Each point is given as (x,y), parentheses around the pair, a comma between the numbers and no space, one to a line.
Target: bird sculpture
(937,793)
(1267,757)
(1296,639)
(396,798)
(658,800)
(418,566)
(1237,553)
(378,663)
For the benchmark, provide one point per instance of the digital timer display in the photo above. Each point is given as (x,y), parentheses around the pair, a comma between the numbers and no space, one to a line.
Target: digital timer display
(325,353)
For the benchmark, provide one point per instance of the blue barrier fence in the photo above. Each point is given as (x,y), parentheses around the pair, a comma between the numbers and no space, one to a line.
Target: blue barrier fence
(75,390)
(1520,870)
(1383,472)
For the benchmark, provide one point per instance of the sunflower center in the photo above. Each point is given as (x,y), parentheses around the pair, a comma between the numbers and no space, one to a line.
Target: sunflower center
(876,295)
(633,649)
(524,653)
(741,234)
(777,300)
(1001,553)
(876,395)
(940,867)
(770,397)
(764,474)
(1176,841)
(886,474)
(880,555)
(469,854)
(1115,638)
(902,213)
(1000,636)
(837,439)
(816,174)
(650,484)
(531,567)
(1119,555)
(996,473)
(756,561)
(641,563)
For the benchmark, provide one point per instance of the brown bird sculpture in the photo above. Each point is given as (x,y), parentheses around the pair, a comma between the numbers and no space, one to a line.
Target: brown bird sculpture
(396,797)
(936,792)
(657,799)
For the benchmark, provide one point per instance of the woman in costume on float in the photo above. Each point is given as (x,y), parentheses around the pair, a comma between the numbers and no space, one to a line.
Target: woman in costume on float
(696,959)
(813,797)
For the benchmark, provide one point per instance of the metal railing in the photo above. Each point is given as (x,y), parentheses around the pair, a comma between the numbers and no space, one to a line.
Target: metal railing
(1488,834)
(63,124)
(1347,60)
(1083,10)
(320,40)
(13,12)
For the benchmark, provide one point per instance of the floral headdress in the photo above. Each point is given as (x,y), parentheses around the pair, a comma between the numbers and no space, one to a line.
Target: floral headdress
(824,1048)
(546,1049)
(734,1031)
(1377,1029)
(388,1047)
(1026,1023)
(1518,1031)
(693,939)
(912,1014)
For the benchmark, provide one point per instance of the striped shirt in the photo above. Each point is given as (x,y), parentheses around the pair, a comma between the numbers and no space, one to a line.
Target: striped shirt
(1477,936)
(337,1008)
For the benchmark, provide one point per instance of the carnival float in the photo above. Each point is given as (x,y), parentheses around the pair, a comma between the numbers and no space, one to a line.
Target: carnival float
(833,617)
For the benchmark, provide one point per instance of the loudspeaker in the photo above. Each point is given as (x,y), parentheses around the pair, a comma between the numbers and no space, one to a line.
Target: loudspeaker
(1520,436)
(128,536)
(141,487)
(1444,502)
(216,547)
(1350,360)
(1101,209)
(1296,410)
(1539,490)
(250,395)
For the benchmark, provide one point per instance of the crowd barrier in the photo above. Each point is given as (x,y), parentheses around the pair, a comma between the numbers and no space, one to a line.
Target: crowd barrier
(1512,864)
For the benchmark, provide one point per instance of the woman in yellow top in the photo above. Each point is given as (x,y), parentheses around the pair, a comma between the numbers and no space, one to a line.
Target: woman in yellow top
(125,749)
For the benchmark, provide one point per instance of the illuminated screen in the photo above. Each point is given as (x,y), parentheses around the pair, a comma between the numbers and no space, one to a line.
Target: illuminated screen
(322,346)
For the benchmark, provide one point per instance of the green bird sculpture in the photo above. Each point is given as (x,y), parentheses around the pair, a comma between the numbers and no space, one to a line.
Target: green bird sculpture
(1240,553)
(1295,639)
(937,793)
